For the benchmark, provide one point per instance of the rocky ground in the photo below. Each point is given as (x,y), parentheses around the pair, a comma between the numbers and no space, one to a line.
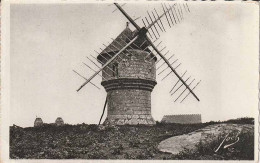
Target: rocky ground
(212,137)
(111,142)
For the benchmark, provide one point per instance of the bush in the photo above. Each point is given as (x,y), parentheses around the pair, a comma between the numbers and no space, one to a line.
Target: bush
(117,150)
(245,120)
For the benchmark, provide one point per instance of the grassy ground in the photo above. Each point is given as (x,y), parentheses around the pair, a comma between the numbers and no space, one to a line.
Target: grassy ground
(113,142)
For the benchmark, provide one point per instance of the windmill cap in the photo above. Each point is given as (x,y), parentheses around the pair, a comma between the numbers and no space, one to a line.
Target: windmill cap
(121,41)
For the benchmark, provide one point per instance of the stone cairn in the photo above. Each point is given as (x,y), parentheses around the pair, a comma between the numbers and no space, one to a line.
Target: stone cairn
(38,122)
(59,122)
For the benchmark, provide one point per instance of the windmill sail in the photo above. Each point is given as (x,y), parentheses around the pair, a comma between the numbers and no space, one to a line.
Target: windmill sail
(139,39)
(107,63)
(142,33)
(173,70)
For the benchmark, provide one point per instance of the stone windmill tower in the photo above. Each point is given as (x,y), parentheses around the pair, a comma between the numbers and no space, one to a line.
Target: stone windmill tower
(129,67)
(128,83)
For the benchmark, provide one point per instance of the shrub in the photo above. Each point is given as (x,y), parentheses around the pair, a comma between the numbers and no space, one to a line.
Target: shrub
(245,120)
(117,150)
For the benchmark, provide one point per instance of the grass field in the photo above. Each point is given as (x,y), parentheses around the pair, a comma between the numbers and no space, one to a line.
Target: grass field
(114,142)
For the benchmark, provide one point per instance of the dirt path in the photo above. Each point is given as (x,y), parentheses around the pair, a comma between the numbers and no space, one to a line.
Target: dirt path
(177,144)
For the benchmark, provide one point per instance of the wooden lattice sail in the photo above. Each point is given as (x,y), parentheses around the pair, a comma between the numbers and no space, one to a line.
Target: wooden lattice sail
(127,67)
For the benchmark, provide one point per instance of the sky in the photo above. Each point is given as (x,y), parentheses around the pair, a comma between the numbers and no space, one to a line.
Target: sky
(216,43)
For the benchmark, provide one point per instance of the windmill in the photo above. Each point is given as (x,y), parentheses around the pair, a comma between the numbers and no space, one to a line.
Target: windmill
(128,67)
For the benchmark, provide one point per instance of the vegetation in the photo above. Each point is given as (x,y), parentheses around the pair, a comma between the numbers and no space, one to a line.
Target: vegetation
(245,120)
(113,142)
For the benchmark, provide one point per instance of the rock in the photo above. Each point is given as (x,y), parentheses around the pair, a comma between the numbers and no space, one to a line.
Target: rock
(177,144)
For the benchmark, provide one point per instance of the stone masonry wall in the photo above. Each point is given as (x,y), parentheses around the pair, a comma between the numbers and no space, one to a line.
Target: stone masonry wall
(129,106)
(134,66)
(129,89)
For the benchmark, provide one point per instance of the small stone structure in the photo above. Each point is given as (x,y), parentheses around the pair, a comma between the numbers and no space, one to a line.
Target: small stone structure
(59,122)
(38,122)
(129,81)
(182,118)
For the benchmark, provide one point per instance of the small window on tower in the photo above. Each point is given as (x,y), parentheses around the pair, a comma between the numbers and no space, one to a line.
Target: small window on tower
(115,69)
